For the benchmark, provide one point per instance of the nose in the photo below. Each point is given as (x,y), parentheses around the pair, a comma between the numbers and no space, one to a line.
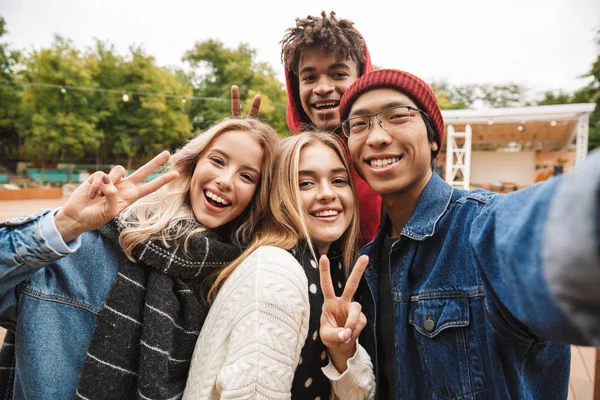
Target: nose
(378,136)
(324,85)
(325,193)
(224,181)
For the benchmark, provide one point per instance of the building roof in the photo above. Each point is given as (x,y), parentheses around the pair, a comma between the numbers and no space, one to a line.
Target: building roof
(535,127)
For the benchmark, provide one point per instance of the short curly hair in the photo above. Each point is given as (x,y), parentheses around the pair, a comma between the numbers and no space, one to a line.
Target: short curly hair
(328,33)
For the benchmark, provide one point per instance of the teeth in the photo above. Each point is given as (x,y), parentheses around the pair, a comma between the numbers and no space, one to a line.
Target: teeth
(327,105)
(216,198)
(326,213)
(380,163)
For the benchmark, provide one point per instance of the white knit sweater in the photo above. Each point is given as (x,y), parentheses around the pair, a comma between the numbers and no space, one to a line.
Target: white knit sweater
(250,343)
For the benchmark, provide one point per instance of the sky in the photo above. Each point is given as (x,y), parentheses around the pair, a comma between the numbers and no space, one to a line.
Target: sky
(541,44)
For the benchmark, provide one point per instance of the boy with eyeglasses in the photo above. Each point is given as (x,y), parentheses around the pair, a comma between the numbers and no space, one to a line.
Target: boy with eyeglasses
(468,294)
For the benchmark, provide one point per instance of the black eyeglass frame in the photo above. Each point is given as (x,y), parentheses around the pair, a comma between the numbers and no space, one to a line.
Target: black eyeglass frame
(369,116)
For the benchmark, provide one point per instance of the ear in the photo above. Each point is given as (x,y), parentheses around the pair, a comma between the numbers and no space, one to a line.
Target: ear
(434,146)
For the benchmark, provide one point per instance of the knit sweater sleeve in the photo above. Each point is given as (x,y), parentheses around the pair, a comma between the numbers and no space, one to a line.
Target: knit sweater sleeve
(250,343)
(357,382)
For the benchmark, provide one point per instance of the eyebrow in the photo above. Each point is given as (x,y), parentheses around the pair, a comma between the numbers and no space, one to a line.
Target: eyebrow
(339,65)
(311,172)
(364,111)
(225,155)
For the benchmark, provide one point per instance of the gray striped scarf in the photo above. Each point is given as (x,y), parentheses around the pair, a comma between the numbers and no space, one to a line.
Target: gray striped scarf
(147,331)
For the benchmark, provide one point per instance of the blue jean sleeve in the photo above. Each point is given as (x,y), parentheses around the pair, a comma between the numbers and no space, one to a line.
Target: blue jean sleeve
(571,250)
(508,238)
(26,245)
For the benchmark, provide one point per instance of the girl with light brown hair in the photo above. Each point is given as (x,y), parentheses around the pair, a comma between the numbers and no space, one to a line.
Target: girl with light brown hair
(105,297)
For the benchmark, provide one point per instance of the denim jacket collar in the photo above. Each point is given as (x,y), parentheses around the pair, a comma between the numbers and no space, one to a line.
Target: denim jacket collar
(432,204)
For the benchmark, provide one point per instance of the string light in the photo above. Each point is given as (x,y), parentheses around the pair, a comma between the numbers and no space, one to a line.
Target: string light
(125,97)
(63,89)
(553,123)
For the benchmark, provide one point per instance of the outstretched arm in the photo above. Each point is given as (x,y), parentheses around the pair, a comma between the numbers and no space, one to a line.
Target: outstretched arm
(571,251)
(538,251)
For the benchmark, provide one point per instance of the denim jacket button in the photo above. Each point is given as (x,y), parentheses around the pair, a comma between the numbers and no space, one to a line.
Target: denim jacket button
(429,324)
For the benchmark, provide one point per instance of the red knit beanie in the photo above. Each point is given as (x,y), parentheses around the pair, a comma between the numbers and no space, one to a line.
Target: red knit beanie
(415,88)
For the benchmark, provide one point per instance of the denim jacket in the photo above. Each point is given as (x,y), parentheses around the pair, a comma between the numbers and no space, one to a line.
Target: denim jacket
(52,301)
(474,315)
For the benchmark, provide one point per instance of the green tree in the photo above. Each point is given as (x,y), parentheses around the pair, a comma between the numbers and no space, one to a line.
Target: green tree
(588,94)
(555,97)
(9,100)
(136,129)
(58,125)
(215,68)
(457,97)
(592,93)
(505,95)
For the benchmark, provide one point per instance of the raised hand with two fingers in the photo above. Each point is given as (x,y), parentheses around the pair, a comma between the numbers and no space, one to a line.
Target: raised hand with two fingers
(103,196)
(342,320)
(236,104)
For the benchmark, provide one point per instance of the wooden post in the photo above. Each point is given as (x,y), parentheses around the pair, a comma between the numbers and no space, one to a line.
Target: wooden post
(597,376)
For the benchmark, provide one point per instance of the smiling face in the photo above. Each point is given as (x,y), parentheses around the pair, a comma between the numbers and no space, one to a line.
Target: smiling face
(323,79)
(325,194)
(225,178)
(396,161)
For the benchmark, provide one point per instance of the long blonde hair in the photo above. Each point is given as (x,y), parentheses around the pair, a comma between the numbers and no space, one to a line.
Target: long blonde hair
(285,223)
(167,214)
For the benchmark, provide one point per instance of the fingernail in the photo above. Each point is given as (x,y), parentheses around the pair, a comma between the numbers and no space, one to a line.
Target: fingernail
(341,335)
(348,332)
(348,340)
(106,179)
(93,195)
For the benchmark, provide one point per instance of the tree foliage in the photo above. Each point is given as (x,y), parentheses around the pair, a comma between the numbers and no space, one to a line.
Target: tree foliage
(214,68)
(457,97)
(88,120)
(9,98)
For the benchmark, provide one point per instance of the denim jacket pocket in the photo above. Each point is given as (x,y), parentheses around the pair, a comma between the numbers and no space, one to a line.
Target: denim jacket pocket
(448,346)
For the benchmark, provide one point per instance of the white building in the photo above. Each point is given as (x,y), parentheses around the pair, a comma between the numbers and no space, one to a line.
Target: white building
(501,146)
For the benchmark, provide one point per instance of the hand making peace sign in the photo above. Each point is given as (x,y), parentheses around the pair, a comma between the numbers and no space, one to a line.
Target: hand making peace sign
(236,104)
(341,319)
(102,197)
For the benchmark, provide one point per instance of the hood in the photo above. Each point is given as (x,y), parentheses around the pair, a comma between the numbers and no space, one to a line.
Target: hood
(295,117)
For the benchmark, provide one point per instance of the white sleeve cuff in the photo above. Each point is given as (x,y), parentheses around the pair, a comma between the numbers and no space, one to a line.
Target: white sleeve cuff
(358,381)
(54,238)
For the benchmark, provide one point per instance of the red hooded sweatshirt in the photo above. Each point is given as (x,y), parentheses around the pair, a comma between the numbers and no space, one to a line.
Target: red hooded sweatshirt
(369,202)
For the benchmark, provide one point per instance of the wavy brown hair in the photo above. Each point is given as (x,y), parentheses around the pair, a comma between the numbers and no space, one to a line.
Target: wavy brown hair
(167,214)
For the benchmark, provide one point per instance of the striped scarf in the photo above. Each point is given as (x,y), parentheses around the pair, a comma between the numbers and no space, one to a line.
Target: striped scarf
(146,333)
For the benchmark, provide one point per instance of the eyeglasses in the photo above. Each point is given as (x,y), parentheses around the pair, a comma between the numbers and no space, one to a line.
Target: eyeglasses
(389,118)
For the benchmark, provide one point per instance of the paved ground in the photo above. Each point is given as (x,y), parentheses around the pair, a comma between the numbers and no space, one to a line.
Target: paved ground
(18,208)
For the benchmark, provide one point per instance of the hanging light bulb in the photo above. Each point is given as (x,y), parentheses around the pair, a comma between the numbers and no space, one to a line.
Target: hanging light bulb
(63,90)
(553,123)
(520,128)
(183,100)
(125,97)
